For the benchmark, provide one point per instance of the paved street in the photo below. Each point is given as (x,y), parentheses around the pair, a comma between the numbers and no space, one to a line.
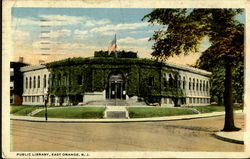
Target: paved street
(182,135)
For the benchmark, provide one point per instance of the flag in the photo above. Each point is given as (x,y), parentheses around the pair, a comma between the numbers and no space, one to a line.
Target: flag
(113,45)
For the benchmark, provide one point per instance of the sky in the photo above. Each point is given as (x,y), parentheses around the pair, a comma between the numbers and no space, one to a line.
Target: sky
(52,34)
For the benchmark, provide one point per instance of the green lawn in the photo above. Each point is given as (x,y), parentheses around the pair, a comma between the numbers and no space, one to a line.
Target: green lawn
(74,113)
(22,110)
(212,108)
(157,112)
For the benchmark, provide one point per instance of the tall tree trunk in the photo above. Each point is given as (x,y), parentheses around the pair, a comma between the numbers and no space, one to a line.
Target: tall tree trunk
(228,101)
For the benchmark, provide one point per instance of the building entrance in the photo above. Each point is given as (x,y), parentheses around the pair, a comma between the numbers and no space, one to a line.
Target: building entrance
(116,87)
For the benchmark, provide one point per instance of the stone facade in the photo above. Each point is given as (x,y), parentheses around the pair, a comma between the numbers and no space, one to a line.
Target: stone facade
(99,80)
(35,84)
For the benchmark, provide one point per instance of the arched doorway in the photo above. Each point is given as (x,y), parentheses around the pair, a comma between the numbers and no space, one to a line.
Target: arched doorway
(116,87)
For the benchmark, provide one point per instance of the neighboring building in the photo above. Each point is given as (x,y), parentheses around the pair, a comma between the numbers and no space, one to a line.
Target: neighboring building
(16,82)
(100,79)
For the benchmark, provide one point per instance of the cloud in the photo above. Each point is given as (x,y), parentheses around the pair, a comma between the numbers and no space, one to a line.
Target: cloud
(92,22)
(59,45)
(132,41)
(57,33)
(81,34)
(108,28)
(59,20)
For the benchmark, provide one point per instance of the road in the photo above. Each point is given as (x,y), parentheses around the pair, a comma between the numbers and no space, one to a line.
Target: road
(182,135)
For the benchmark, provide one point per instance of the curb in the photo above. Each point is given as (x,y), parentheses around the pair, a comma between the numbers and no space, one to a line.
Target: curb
(223,138)
(154,119)
(113,121)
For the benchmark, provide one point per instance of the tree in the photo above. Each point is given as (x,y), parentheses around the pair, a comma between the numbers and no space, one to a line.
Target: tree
(183,32)
(207,62)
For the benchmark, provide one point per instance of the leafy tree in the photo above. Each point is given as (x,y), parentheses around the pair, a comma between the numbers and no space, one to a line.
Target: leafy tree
(183,32)
(218,77)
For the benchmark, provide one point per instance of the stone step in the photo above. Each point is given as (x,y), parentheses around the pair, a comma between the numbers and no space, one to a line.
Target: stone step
(116,112)
(110,103)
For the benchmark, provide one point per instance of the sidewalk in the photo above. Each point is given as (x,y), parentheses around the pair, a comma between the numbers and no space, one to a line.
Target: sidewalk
(234,137)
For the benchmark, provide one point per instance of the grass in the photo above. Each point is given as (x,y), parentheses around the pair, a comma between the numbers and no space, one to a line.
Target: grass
(212,108)
(209,109)
(22,110)
(74,113)
(157,112)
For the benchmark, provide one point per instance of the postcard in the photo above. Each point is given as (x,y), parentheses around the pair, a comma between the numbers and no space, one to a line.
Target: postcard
(125,79)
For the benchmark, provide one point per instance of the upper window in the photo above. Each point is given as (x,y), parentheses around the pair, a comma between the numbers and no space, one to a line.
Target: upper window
(184,83)
(193,84)
(30,82)
(200,85)
(197,85)
(34,84)
(44,81)
(38,82)
(26,83)
(190,83)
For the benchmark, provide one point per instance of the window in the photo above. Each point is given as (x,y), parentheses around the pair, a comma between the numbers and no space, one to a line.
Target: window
(80,80)
(170,81)
(204,86)
(176,81)
(190,100)
(200,85)
(207,86)
(30,82)
(179,82)
(165,83)
(151,81)
(38,82)
(44,81)
(26,83)
(34,85)
(52,80)
(193,84)
(184,83)
(190,83)
(197,85)
(59,80)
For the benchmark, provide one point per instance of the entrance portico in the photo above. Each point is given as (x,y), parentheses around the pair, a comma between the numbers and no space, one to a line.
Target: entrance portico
(116,87)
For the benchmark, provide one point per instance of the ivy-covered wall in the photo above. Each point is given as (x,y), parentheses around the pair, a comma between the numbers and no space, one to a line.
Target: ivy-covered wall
(143,77)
